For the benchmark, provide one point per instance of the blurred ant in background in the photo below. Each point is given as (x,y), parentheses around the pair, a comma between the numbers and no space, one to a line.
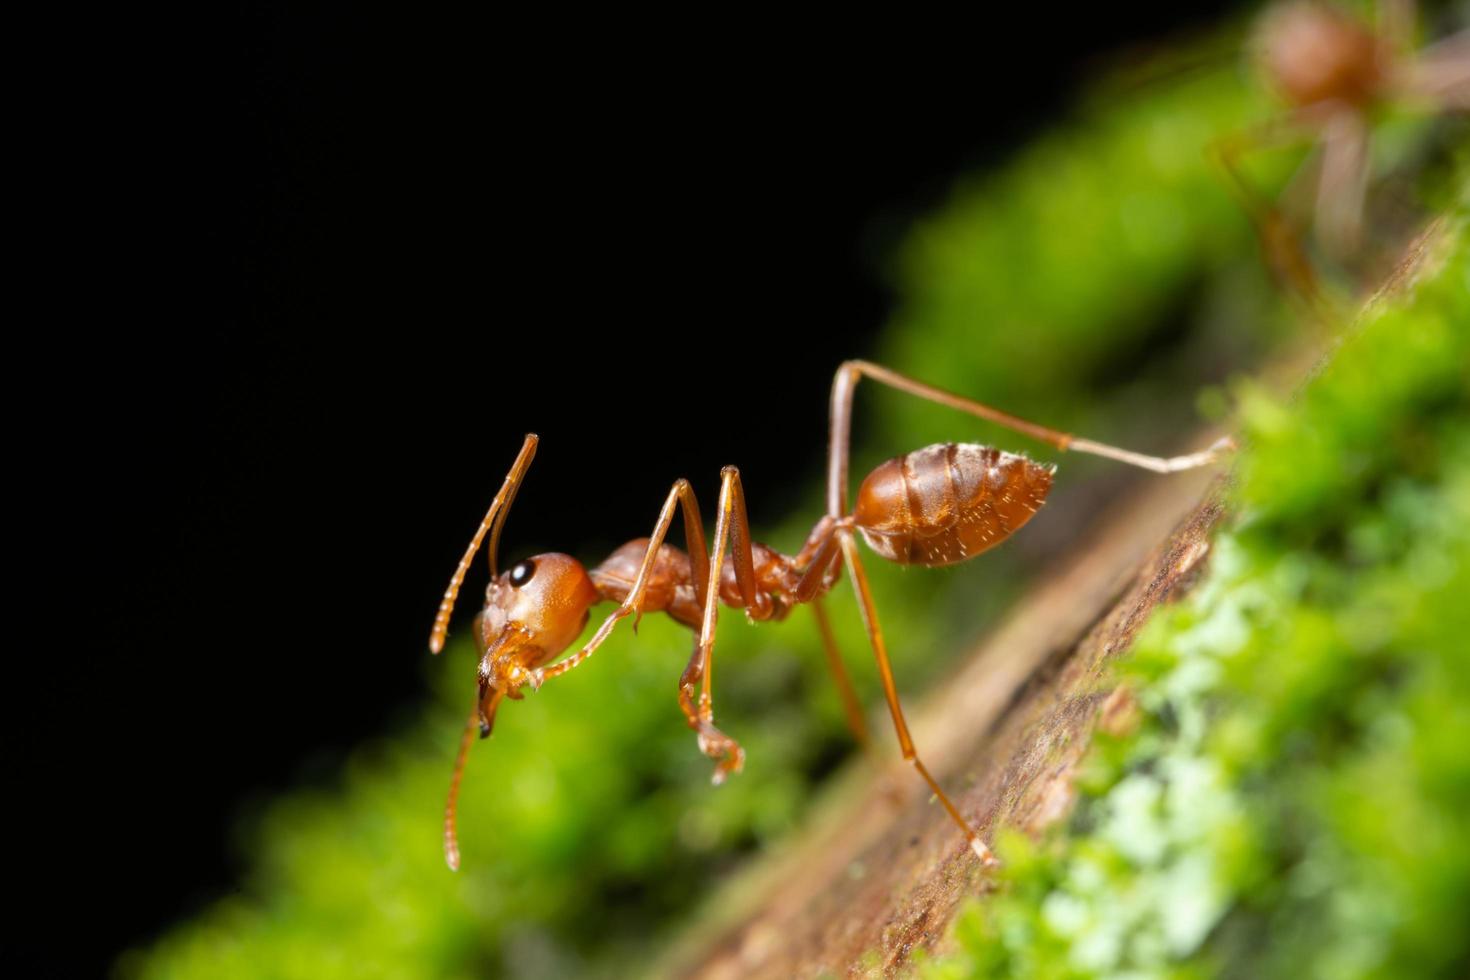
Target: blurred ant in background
(1336,73)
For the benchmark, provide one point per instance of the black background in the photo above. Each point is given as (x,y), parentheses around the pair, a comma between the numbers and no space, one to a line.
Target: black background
(320,271)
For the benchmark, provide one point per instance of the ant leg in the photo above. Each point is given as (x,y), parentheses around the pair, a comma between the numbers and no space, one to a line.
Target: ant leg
(1441,74)
(850,704)
(852,707)
(732,525)
(1286,256)
(819,559)
(850,372)
(1342,185)
(680,493)
(890,692)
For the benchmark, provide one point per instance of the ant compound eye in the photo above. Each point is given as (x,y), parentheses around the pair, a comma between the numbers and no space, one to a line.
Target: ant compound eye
(522,573)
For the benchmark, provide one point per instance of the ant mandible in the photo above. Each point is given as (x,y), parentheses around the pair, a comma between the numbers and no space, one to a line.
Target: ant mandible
(935,506)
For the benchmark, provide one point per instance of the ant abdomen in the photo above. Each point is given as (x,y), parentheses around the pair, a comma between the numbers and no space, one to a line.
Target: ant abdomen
(948,503)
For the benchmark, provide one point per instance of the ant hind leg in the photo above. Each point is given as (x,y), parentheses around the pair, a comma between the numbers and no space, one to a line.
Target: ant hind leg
(890,692)
(850,372)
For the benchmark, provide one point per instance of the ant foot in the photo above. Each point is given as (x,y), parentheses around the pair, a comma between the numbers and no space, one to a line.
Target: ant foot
(986,855)
(728,755)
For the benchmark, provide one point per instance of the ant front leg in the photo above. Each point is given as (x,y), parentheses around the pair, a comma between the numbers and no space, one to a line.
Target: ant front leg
(632,604)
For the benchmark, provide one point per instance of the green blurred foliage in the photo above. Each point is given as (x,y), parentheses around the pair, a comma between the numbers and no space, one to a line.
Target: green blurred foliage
(1296,799)
(1093,282)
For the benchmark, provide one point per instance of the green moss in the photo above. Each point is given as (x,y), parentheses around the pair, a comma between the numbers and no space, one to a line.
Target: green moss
(1296,800)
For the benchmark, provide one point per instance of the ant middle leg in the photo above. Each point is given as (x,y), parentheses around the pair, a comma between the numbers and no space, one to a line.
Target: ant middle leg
(732,526)
(818,556)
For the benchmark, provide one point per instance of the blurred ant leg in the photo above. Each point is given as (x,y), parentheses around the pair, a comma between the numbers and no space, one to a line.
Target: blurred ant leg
(850,372)
(890,692)
(818,557)
(850,704)
(493,522)
(1342,185)
(1286,256)
(1441,74)
(889,782)
(732,525)
(680,493)
(451,806)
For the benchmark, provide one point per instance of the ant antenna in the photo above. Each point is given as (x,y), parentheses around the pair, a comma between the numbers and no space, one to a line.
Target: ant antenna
(493,522)
(451,838)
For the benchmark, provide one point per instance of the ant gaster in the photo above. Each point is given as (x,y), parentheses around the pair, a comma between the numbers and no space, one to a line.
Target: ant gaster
(935,506)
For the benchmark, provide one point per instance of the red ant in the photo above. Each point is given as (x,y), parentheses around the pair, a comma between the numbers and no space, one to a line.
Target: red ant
(936,506)
(1334,72)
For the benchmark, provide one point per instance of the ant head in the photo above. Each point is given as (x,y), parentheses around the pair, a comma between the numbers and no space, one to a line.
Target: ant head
(532,613)
(1316,52)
